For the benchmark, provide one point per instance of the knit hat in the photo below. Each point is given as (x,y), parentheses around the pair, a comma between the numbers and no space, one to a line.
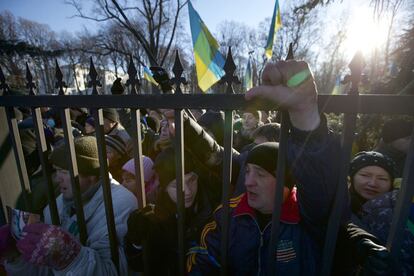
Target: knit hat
(87,157)
(90,120)
(117,87)
(371,158)
(116,143)
(111,114)
(213,121)
(265,156)
(164,166)
(147,164)
(395,129)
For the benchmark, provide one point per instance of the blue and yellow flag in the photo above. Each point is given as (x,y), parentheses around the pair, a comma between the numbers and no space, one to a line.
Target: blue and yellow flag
(148,76)
(208,59)
(248,76)
(276,24)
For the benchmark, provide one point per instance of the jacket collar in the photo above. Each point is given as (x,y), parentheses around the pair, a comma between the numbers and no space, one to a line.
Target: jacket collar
(289,214)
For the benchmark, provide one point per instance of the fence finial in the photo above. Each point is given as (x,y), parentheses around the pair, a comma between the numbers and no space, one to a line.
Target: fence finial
(59,79)
(178,71)
(29,78)
(229,69)
(356,65)
(290,52)
(94,82)
(3,84)
(133,81)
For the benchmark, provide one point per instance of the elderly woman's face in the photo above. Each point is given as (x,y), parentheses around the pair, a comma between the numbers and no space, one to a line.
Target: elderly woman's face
(372,181)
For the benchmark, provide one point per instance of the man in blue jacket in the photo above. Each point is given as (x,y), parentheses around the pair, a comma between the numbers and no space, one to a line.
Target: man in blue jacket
(313,159)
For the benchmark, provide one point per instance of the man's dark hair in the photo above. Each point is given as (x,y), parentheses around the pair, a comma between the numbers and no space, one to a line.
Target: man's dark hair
(270,131)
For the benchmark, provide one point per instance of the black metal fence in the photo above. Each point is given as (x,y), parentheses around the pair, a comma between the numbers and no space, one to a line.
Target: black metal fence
(349,105)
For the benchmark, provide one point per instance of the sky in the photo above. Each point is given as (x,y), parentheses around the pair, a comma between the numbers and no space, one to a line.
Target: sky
(363,32)
(58,15)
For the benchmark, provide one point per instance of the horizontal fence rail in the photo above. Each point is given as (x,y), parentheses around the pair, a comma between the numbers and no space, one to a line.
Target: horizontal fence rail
(366,104)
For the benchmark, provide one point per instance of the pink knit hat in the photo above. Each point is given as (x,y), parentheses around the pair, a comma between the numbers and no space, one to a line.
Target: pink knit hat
(147,165)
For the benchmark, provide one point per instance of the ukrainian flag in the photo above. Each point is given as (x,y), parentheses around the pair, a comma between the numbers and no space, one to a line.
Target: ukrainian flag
(148,76)
(208,59)
(248,76)
(276,24)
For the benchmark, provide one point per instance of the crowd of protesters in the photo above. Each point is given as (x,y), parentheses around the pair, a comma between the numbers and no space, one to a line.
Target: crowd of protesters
(147,237)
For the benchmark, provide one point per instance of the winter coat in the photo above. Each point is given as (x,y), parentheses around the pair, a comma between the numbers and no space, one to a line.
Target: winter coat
(376,216)
(159,239)
(95,257)
(297,252)
(313,159)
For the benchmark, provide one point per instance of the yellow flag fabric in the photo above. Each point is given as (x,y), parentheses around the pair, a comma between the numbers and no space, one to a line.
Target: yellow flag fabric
(274,26)
(209,61)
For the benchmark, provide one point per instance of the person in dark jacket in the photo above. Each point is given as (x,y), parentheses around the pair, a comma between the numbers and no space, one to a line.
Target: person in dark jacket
(155,227)
(312,154)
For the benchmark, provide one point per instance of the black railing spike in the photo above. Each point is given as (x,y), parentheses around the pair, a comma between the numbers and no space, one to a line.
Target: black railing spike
(290,52)
(356,65)
(59,79)
(160,75)
(29,78)
(229,69)
(178,71)
(3,84)
(93,82)
(133,80)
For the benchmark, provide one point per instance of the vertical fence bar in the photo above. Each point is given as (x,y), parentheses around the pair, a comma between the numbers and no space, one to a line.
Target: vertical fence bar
(280,183)
(356,67)
(179,160)
(229,78)
(106,185)
(43,153)
(402,209)
(17,144)
(227,170)
(73,169)
(74,172)
(134,83)
(278,197)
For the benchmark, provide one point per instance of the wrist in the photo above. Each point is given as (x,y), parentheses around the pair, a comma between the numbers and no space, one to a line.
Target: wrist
(306,118)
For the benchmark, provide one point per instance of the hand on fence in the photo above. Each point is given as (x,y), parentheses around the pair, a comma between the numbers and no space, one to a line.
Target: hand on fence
(139,223)
(375,259)
(290,84)
(48,245)
(7,243)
